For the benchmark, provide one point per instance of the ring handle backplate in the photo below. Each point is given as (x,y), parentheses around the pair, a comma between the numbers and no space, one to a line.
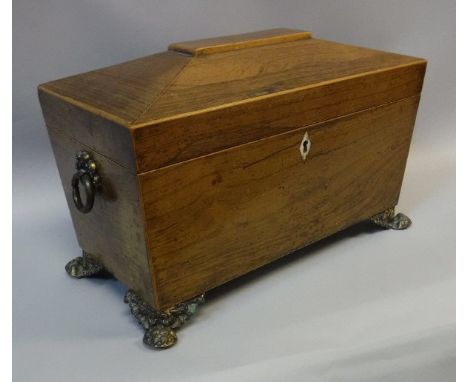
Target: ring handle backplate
(86,178)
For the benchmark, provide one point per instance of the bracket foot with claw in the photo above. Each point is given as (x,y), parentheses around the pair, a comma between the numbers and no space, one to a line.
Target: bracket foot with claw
(160,326)
(388,219)
(83,266)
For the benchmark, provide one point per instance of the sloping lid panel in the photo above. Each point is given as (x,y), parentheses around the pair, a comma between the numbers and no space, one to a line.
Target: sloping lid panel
(237,76)
(123,92)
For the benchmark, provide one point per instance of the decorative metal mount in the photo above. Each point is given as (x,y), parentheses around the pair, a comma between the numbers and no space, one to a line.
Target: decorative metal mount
(388,219)
(88,177)
(160,326)
(83,266)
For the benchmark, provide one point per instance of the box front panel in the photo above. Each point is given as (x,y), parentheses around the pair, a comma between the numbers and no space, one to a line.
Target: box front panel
(220,216)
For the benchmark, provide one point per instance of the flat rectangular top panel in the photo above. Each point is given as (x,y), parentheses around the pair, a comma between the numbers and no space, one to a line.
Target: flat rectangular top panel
(239,41)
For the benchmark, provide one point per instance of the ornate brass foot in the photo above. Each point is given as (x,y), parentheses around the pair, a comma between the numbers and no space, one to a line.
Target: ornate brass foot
(388,219)
(83,266)
(160,326)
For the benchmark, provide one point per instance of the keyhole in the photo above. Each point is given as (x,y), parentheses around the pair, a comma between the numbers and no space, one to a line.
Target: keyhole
(304,147)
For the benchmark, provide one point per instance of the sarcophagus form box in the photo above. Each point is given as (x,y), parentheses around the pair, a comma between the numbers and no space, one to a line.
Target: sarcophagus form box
(188,168)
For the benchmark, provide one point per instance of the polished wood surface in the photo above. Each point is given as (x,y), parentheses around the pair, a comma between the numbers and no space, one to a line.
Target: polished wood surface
(120,92)
(212,102)
(171,85)
(227,79)
(220,216)
(203,176)
(205,133)
(106,137)
(113,232)
(239,41)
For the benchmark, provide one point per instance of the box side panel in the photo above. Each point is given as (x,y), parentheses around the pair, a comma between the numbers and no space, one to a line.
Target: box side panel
(217,217)
(103,136)
(113,230)
(193,135)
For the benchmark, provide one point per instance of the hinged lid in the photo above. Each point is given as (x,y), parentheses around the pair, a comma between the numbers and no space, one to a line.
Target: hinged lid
(207,95)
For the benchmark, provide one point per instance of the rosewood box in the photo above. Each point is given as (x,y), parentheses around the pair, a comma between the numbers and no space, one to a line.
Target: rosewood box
(188,168)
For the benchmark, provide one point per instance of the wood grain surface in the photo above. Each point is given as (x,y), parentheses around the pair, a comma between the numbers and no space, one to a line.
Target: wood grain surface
(220,216)
(176,107)
(113,232)
(226,79)
(199,152)
(181,139)
(120,92)
(106,137)
(239,41)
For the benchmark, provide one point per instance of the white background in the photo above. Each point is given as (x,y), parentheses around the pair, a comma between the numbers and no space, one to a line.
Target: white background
(364,305)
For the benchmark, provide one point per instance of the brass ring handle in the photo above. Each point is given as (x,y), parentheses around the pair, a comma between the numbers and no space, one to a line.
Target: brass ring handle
(88,178)
(85,179)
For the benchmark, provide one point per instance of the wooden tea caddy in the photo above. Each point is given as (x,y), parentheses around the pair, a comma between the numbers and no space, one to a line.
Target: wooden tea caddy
(188,168)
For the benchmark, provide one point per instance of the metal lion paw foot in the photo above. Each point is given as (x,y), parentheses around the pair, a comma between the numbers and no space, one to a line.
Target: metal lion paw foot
(388,219)
(83,266)
(160,337)
(160,326)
